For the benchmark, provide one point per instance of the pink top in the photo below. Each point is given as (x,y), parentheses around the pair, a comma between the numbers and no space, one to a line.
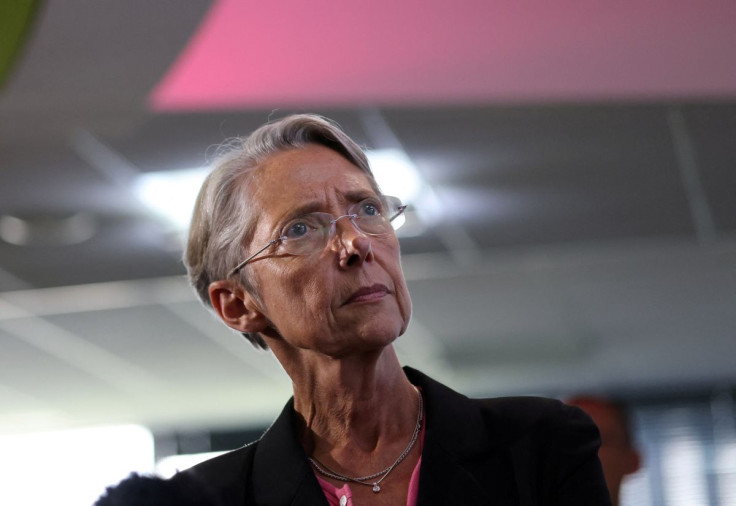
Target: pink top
(343,496)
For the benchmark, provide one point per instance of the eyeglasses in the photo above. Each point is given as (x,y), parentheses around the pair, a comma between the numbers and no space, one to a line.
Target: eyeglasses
(309,233)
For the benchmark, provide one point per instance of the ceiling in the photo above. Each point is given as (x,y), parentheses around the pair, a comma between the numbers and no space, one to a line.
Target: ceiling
(585,160)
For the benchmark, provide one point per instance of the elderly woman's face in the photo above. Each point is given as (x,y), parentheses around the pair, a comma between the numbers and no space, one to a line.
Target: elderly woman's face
(349,296)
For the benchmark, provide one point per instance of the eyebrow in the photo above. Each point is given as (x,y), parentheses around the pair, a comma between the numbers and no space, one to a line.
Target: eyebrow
(309,207)
(351,197)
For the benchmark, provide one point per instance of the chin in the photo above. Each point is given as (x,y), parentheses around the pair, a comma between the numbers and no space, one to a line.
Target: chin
(383,334)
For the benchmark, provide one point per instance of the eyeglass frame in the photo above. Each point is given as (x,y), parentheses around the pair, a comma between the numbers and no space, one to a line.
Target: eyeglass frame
(399,211)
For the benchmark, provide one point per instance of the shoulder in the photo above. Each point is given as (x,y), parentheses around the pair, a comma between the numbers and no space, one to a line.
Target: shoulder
(553,448)
(235,460)
(504,419)
(516,417)
(226,475)
(547,448)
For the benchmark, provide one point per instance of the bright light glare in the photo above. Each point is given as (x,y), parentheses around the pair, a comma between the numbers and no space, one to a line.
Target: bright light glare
(171,194)
(395,173)
(73,467)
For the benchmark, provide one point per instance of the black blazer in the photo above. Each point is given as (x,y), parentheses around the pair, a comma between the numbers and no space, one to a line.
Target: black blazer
(507,451)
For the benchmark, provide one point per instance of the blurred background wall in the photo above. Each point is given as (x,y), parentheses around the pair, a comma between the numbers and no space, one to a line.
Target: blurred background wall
(571,174)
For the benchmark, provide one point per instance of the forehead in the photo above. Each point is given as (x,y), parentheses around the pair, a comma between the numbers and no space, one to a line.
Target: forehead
(298,176)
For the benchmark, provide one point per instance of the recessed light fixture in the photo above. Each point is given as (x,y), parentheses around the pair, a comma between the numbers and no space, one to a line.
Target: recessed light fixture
(47,230)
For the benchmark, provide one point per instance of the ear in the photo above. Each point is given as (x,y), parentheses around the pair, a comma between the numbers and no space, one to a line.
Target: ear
(236,307)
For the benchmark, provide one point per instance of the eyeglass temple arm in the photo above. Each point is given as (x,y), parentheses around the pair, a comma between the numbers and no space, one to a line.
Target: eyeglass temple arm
(242,264)
(399,210)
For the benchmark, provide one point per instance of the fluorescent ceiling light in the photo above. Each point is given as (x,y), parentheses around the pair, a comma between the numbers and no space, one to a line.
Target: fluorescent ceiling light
(171,194)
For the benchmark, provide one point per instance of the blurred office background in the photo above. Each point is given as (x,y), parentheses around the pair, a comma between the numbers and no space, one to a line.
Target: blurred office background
(571,171)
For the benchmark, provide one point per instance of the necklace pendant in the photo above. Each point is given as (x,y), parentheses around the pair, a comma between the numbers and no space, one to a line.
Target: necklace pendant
(376,488)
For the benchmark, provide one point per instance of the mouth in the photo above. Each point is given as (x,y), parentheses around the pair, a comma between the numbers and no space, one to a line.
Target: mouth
(368,294)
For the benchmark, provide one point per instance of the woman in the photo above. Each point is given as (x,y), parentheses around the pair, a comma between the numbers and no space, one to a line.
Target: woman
(292,244)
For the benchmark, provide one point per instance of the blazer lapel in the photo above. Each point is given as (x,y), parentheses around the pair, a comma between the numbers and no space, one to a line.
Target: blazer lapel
(455,434)
(281,472)
(443,480)
(455,438)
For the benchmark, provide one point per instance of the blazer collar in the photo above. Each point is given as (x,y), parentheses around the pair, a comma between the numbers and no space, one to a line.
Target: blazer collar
(455,433)
(447,411)
(281,472)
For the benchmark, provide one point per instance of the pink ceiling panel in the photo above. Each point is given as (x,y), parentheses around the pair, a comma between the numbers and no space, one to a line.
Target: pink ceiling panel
(390,52)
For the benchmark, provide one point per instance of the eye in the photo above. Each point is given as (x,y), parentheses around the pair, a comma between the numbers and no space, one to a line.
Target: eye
(369,208)
(296,230)
(304,226)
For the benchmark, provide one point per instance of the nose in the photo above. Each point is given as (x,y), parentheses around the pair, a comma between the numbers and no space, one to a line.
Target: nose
(353,245)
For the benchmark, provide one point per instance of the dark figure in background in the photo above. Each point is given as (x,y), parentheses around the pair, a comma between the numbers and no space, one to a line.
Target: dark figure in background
(140,490)
(292,244)
(618,455)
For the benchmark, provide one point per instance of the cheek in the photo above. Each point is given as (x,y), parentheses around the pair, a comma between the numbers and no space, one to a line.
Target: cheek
(404,300)
(295,299)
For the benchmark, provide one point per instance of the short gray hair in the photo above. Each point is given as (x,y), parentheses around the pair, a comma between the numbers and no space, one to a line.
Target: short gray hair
(223,220)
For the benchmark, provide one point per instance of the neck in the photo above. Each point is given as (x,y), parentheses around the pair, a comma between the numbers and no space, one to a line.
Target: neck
(354,407)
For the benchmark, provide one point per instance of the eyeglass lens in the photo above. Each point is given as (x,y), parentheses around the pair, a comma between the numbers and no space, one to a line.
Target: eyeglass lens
(311,232)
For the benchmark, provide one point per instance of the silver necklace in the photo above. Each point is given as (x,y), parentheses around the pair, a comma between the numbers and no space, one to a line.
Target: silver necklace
(381,475)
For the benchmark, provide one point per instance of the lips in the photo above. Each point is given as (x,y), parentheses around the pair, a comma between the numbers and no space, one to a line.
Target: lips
(368,294)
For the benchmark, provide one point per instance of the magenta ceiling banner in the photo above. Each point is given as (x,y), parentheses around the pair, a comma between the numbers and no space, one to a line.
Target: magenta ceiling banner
(408,52)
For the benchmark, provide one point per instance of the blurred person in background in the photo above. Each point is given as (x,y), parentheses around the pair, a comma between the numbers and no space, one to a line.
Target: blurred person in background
(618,455)
(292,244)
